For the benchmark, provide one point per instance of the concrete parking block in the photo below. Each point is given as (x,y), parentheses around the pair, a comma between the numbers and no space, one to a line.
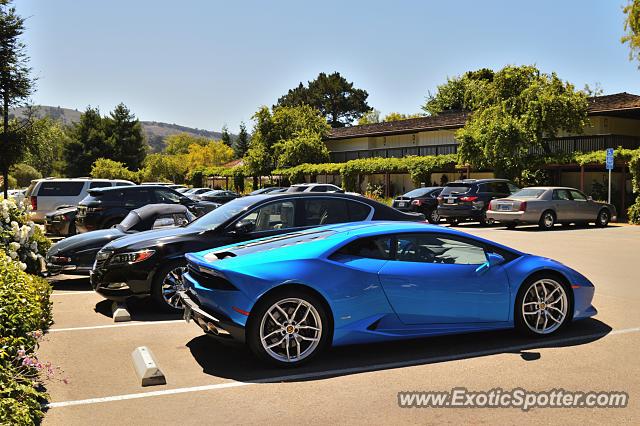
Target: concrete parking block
(146,367)
(120,312)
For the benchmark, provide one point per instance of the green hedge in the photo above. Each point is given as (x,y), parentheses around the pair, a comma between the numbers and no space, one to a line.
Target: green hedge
(25,311)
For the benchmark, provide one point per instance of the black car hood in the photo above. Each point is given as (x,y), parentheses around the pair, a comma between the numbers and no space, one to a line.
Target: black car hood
(153,237)
(89,239)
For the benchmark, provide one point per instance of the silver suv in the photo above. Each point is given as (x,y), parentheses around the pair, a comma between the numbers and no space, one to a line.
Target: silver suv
(46,195)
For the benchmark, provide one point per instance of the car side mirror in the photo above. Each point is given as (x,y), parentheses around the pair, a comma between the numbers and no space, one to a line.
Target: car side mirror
(242,228)
(493,259)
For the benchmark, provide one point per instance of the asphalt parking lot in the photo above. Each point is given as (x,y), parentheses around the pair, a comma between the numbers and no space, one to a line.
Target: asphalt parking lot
(208,382)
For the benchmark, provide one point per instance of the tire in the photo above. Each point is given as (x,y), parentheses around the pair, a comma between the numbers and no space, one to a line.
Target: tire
(544,306)
(547,220)
(603,218)
(453,221)
(164,296)
(264,329)
(511,225)
(433,217)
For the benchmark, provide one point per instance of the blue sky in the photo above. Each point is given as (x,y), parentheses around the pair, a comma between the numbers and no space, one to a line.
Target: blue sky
(206,63)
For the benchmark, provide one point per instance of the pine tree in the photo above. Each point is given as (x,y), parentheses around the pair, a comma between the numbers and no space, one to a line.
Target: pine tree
(15,87)
(226,137)
(126,137)
(89,142)
(241,145)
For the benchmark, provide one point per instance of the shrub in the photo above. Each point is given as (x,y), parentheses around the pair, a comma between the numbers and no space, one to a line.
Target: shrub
(634,212)
(21,239)
(24,174)
(25,310)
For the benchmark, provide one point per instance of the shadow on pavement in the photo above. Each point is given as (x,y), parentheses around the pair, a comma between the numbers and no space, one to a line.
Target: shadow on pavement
(234,361)
(139,309)
(70,283)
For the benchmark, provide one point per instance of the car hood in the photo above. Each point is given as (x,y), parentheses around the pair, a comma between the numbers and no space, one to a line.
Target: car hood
(78,242)
(153,237)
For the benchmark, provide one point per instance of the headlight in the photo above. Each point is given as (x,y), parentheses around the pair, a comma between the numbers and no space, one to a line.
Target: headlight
(103,255)
(131,257)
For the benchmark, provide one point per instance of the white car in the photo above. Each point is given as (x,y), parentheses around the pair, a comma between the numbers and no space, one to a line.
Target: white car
(315,187)
(46,195)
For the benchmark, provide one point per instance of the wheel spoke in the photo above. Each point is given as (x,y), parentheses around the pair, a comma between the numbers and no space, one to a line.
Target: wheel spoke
(293,315)
(308,339)
(305,315)
(279,342)
(532,313)
(286,316)
(308,327)
(264,339)
(551,294)
(287,347)
(274,319)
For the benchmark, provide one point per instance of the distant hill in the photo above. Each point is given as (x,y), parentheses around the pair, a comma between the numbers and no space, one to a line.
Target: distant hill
(155,131)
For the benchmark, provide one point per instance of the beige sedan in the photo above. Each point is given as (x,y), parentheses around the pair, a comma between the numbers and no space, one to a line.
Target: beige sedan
(548,205)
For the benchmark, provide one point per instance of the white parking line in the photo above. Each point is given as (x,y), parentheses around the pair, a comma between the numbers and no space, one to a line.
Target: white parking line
(343,371)
(71,293)
(128,324)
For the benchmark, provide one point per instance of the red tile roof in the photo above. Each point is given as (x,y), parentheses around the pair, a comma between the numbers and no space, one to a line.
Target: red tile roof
(453,120)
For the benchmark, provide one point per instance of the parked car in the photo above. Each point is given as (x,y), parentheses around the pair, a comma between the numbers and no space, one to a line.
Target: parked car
(469,199)
(315,187)
(106,207)
(218,196)
(76,254)
(548,205)
(288,298)
(152,263)
(421,200)
(268,190)
(194,192)
(182,189)
(46,195)
(61,222)
(17,194)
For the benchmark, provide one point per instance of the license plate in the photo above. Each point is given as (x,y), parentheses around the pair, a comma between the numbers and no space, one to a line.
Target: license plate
(450,200)
(504,207)
(402,204)
(187,313)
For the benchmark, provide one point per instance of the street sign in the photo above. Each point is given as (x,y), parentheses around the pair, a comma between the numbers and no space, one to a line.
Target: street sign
(609,165)
(609,162)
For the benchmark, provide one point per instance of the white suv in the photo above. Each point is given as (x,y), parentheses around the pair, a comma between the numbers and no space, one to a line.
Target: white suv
(50,194)
(314,187)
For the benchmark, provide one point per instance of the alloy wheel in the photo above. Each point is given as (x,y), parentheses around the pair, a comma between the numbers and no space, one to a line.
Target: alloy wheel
(290,330)
(603,218)
(434,216)
(545,306)
(171,284)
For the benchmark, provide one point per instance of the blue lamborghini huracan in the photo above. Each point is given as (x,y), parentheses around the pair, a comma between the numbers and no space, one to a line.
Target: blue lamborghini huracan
(288,297)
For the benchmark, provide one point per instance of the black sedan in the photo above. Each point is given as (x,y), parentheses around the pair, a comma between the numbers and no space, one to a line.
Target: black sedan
(75,255)
(152,263)
(61,222)
(420,200)
(218,196)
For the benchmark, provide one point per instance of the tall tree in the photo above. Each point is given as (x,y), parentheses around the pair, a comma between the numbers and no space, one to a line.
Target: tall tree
(126,137)
(88,142)
(632,29)
(521,108)
(16,85)
(179,143)
(336,99)
(241,144)
(396,116)
(459,93)
(226,137)
(370,117)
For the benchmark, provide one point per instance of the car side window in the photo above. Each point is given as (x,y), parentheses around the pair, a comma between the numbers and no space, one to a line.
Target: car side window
(512,188)
(324,211)
(319,188)
(99,184)
(433,248)
(164,221)
(167,197)
(141,197)
(578,196)
(358,211)
(369,247)
(561,194)
(278,215)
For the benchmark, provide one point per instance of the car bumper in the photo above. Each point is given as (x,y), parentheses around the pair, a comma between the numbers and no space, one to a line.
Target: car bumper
(211,323)
(55,269)
(120,284)
(514,217)
(56,228)
(463,212)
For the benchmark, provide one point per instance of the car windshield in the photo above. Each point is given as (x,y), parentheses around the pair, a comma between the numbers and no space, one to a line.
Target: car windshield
(456,188)
(418,192)
(223,213)
(296,189)
(212,193)
(529,193)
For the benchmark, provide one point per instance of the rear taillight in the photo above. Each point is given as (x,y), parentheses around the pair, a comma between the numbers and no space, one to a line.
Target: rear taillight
(523,206)
(469,198)
(34,202)
(491,205)
(416,202)
(440,200)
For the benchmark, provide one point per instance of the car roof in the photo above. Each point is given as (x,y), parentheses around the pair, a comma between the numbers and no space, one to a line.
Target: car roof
(126,187)
(478,180)
(546,188)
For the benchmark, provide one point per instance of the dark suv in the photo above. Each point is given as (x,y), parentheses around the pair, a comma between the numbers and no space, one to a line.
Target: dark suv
(152,263)
(468,199)
(420,200)
(106,207)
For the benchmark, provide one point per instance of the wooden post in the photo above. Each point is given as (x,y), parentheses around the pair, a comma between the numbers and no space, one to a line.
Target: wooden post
(387,182)
(582,178)
(468,172)
(226,183)
(623,190)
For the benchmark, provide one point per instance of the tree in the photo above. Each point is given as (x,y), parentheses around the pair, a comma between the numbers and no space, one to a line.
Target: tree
(161,167)
(521,108)
(16,86)
(396,116)
(459,93)
(104,168)
(179,143)
(24,174)
(88,142)
(336,99)
(126,137)
(307,147)
(47,140)
(241,144)
(214,153)
(370,117)
(280,125)
(226,137)
(632,29)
